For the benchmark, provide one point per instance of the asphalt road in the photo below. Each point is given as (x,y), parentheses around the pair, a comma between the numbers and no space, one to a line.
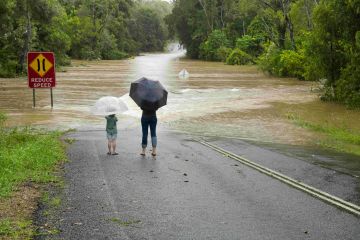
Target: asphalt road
(190,192)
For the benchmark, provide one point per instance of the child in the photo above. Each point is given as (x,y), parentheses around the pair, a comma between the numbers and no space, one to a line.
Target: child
(111,132)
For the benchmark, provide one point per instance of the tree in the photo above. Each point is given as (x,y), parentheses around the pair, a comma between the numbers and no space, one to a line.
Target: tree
(8,58)
(281,12)
(147,30)
(333,48)
(188,21)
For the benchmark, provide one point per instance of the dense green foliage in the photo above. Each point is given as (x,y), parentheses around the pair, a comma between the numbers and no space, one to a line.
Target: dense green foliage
(250,44)
(238,57)
(306,39)
(83,29)
(27,155)
(209,50)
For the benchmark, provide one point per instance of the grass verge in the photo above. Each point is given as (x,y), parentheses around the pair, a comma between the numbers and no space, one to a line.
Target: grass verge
(28,158)
(340,139)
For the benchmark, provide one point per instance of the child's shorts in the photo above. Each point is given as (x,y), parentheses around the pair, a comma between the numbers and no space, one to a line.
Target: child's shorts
(111,136)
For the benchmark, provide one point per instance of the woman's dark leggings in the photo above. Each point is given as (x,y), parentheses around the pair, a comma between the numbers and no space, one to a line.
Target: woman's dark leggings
(145,123)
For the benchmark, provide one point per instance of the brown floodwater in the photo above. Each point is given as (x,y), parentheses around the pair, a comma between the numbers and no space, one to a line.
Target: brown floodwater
(216,100)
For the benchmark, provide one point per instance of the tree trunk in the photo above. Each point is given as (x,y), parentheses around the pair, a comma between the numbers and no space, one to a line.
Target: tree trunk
(203,5)
(222,14)
(308,15)
(269,30)
(243,25)
(94,27)
(291,32)
(286,12)
(282,35)
(27,39)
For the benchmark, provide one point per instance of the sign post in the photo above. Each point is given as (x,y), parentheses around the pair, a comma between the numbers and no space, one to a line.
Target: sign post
(52,102)
(41,72)
(33,97)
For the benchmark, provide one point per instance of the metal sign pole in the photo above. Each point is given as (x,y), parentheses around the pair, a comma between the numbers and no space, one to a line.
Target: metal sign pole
(33,97)
(52,102)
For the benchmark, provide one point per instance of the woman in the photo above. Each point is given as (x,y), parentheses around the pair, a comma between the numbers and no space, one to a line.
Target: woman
(148,119)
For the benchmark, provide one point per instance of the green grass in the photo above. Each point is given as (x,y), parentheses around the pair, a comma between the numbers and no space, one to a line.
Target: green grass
(27,154)
(340,139)
(15,229)
(52,202)
(55,202)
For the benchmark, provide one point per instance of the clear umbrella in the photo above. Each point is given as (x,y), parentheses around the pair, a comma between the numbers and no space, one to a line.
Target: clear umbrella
(108,105)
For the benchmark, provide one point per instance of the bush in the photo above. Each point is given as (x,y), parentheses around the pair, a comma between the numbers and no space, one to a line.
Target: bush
(204,51)
(347,88)
(347,93)
(222,53)
(89,54)
(291,64)
(62,60)
(115,55)
(130,46)
(311,71)
(8,69)
(238,57)
(269,60)
(209,48)
(286,63)
(311,47)
(250,45)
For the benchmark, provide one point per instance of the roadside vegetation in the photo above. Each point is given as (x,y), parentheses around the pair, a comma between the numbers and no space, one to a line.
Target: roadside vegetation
(306,39)
(28,158)
(80,29)
(340,139)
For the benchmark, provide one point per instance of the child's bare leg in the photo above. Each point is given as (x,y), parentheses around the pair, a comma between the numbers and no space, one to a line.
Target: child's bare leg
(114,145)
(109,146)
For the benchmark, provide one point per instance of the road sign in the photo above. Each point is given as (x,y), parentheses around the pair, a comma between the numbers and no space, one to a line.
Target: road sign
(41,70)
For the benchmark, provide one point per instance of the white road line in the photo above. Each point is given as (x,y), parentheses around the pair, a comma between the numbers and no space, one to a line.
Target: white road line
(326,197)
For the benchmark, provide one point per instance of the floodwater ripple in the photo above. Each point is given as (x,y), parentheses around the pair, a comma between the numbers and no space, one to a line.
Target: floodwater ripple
(217,99)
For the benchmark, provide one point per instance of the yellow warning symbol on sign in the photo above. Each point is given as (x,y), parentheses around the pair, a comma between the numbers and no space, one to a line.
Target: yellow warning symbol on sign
(41,65)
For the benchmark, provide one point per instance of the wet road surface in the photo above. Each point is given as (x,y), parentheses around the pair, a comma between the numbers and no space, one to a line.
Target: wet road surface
(188,192)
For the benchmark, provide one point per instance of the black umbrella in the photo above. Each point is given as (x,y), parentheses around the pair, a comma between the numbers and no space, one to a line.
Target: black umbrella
(148,94)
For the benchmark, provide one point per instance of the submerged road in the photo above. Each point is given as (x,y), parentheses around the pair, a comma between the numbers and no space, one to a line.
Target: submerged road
(190,191)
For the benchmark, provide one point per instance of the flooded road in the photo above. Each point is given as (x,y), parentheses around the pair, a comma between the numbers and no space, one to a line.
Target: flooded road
(217,99)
